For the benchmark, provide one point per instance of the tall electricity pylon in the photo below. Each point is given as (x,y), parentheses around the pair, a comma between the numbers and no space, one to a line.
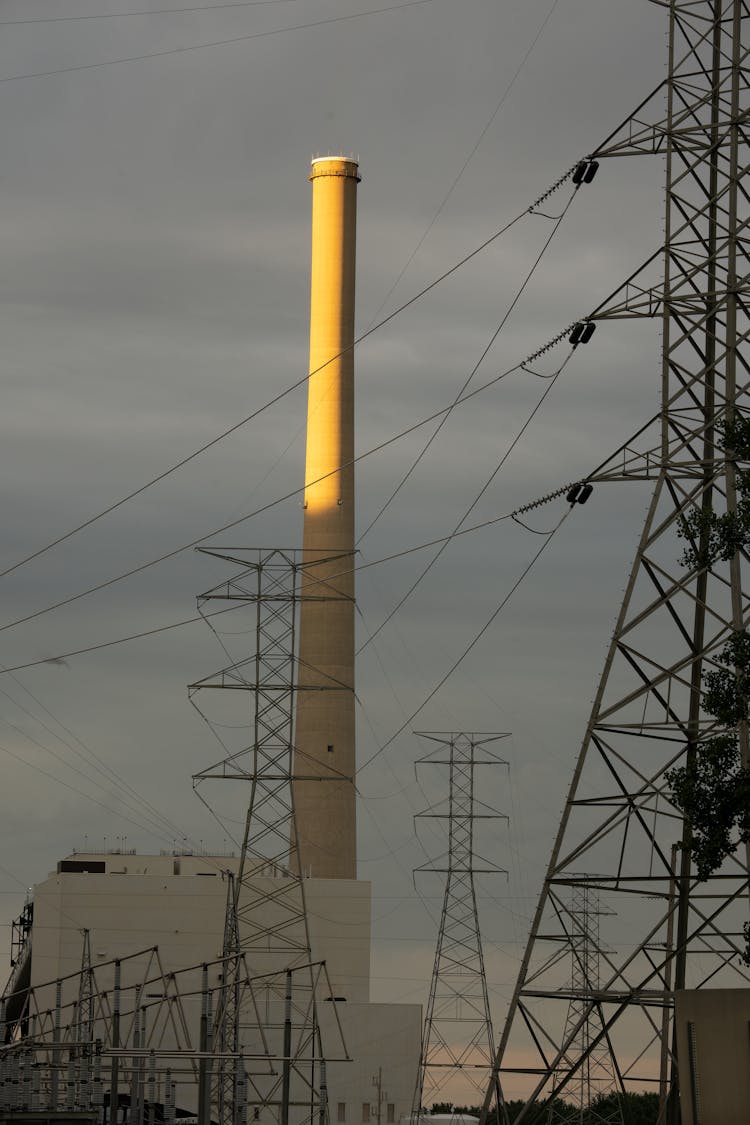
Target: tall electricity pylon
(266,925)
(680,608)
(457,1037)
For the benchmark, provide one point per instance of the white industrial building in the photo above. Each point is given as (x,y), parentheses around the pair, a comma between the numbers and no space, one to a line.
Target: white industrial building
(129,902)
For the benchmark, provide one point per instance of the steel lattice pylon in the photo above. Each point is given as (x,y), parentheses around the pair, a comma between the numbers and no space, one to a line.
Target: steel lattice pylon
(457,1035)
(266,923)
(595,1079)
(619,819)
(85,1021)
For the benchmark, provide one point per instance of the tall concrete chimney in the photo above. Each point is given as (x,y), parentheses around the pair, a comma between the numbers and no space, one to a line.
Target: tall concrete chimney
(324,725)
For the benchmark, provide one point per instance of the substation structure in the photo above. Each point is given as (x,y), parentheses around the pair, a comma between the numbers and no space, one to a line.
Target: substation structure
(625,833)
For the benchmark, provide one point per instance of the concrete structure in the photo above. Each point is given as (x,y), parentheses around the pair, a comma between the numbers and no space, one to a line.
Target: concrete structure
(714,1052)
(324,728)
(128,902)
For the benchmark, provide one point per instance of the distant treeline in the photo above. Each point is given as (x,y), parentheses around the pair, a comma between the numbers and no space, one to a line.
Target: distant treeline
(636,1109)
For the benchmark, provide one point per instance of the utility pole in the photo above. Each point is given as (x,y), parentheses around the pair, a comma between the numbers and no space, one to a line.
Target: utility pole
(377,1082)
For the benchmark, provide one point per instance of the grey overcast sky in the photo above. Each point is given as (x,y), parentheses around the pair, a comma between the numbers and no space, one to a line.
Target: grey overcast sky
(154,220)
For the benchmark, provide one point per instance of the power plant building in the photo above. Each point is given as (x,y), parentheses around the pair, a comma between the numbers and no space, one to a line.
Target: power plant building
(175,903)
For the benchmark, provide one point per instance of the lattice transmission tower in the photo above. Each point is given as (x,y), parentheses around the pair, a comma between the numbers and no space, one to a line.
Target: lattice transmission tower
(595,1080)
(457,1038)
(683,603)
(266,925)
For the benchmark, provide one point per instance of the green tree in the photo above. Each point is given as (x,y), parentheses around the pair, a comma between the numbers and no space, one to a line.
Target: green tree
(713,790)
(713,537)
(637,1109)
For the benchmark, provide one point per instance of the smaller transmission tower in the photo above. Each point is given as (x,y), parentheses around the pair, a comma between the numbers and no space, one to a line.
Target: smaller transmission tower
(457,1037)
(595,1079)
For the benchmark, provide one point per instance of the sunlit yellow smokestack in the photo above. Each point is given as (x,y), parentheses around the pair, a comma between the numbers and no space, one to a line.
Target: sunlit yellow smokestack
(324,727)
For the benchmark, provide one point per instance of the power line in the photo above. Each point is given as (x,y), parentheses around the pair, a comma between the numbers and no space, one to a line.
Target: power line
(498,609)
(136,492)
(444,542)
(59,658)
(472,644)
(15,879)
(469,158)
(287,391)
(150,12)
(443,539)
(368,332)
(519,293)
(91,760)
(280,499)
(214,43)
(469,510)
(444,545)
(74,789)
(392,853)
(59,758)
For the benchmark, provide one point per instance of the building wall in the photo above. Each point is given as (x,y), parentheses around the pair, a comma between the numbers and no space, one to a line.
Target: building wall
(381,1039)
(713,1043)
(177,903)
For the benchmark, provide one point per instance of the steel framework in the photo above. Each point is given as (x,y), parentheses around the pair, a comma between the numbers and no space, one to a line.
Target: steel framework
(81,1042)
(266,920)
(457,1035)
(620,817)
(595,1079)
(140,1042)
